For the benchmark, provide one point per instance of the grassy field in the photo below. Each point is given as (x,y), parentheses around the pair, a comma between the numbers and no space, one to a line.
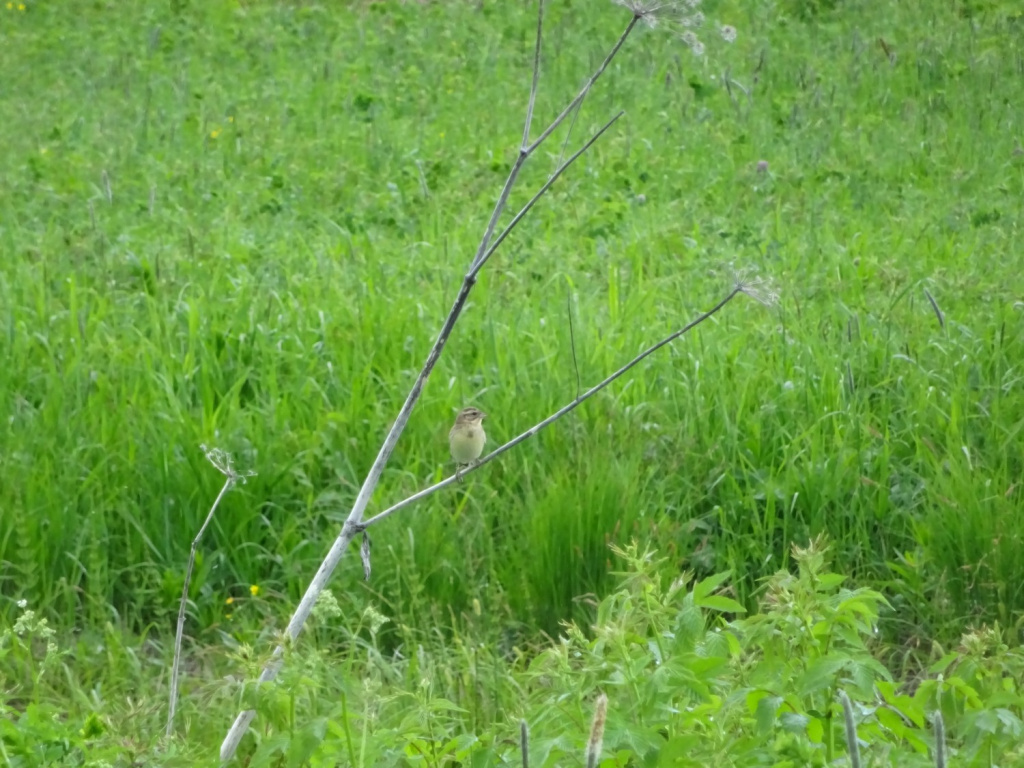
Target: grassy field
(240,225)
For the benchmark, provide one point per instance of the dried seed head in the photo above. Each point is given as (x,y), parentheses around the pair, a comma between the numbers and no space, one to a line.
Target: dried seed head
(680,17)
(757,288)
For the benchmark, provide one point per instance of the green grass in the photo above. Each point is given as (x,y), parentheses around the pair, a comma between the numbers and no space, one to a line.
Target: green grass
(683,685)
(294,194)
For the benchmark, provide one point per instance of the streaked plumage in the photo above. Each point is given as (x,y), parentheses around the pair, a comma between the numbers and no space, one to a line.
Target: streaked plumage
(467,437)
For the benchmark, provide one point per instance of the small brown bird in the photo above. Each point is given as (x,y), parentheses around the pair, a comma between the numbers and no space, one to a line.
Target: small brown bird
(467,438)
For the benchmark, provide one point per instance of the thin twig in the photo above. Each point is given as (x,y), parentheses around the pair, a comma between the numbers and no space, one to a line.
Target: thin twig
(572,340)
(536,76)
(524,742)
(107,189)
(352,522)
(524,153)
(588,85)
(222,462)
(550,419)
(477,265)
(568,133)
(939,314)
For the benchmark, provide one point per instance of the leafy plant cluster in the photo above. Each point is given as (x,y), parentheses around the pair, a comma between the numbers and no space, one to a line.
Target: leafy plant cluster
(689,680)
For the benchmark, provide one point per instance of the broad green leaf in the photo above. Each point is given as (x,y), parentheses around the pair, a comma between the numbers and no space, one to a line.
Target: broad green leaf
(270,751)
(820,674)
(303,743)
(719,603)
(794,722)
(942,664)
(754,697)
(815,730)
(969,694)
(767,710)
(892,721)
(1010,721)
(705,587)
(829,581)
(913,738)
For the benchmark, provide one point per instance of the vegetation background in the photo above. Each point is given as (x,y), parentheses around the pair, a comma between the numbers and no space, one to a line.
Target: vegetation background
(240,225)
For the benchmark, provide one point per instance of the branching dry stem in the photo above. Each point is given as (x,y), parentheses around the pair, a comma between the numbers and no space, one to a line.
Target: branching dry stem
(359,527)
(484,251)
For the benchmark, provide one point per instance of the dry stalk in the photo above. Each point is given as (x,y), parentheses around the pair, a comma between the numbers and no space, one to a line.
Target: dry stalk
(485,250)
(223,463)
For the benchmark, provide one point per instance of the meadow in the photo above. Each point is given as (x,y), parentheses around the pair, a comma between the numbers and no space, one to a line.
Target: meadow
(241,225)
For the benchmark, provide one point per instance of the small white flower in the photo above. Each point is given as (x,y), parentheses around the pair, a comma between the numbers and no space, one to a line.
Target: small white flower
(728,33)
(23,603)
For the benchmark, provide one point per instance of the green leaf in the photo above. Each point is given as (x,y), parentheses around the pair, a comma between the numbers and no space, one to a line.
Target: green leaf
(735,649)
(270,750)
(679,749)
(820,674)
(816,730)
(829,581)
(913,738)
(904,705)
(304,742)
(969,694)
(705,587)
(443,705)
(794,722)
(892,721)
(719,603)
(690,622)
(1010,722)
(940,666)
(767,710)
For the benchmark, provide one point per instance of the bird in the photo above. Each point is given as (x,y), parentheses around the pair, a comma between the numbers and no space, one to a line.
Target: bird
(467,438)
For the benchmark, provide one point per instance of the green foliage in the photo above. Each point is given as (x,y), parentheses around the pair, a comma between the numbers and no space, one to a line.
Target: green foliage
(240,225)
(687,680)
(246,236)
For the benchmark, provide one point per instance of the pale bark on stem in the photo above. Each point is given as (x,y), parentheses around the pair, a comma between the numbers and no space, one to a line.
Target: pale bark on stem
(352,524)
